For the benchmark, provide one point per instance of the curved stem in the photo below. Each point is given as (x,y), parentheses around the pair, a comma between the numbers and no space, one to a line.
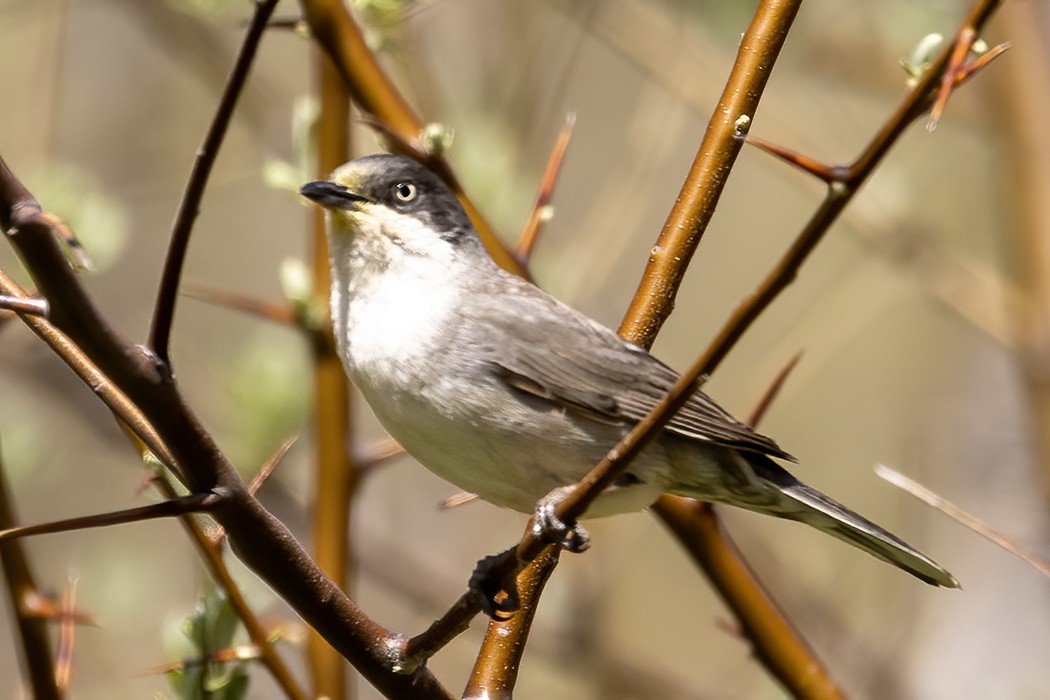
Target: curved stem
(189,207)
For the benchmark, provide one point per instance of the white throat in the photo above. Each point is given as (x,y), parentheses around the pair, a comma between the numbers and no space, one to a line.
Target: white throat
(391,294)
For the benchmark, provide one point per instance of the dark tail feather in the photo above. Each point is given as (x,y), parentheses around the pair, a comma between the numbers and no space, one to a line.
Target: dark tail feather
(758,475)
(838,521)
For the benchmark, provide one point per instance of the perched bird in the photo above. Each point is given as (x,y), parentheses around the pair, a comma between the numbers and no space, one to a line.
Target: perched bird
(508,393)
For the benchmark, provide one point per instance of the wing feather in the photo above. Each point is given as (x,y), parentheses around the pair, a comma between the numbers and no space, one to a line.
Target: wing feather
(532,343)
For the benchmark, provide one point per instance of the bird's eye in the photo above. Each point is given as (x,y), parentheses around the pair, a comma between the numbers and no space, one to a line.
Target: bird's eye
(405,191)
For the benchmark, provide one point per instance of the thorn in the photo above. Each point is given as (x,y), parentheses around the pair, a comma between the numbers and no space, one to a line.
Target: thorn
(271,464)
(826,173)
(296,25)
(34,604)
(279,311)
(242,652)
(730,627)
(458,499)
(774,389)
(960,50)
(981,62)
(378,453)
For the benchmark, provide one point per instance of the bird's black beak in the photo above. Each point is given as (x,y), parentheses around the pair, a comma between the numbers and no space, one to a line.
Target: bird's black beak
(330,195)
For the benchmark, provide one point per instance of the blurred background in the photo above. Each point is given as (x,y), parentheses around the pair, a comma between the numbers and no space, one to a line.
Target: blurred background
(920,318)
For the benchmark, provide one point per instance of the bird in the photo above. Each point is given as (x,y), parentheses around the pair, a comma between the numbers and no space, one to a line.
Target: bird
(508,393)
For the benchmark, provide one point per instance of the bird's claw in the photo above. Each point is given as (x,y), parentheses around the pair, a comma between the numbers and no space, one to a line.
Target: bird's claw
(571,536)
(496,601)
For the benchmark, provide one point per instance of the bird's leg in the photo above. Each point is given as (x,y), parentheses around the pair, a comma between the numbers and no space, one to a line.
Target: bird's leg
(549,527)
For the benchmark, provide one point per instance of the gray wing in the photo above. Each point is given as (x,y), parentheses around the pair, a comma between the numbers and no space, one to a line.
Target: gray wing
(537,345)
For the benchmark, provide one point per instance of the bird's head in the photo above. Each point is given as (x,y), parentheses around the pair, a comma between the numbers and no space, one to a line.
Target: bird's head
(396,203)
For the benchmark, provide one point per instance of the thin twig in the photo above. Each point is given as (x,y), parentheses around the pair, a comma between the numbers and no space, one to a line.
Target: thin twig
(66,637)
(962,45)
(458,499)
(965,518)
(189,207)
(278,311)
(180,505)
(541,210)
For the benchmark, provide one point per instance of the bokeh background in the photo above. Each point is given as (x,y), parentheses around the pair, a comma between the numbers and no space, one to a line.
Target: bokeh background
(911,317)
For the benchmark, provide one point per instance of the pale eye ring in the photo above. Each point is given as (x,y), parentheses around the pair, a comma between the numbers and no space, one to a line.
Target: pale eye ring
(405,191)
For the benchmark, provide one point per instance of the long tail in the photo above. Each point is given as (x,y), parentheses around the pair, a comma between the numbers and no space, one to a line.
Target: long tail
(800,502)
(838,521)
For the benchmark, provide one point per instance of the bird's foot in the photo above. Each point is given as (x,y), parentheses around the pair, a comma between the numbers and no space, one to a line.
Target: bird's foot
(549,527)
(486,583)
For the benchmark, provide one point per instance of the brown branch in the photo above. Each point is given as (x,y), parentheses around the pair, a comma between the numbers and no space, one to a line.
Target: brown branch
(1026,144)
(675,246)
(453,623)
(695,206)
(332,25)
(775,642)
(18,579)
(189,207)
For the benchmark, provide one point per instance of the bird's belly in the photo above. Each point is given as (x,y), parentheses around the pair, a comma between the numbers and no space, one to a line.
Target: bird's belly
(511,453)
